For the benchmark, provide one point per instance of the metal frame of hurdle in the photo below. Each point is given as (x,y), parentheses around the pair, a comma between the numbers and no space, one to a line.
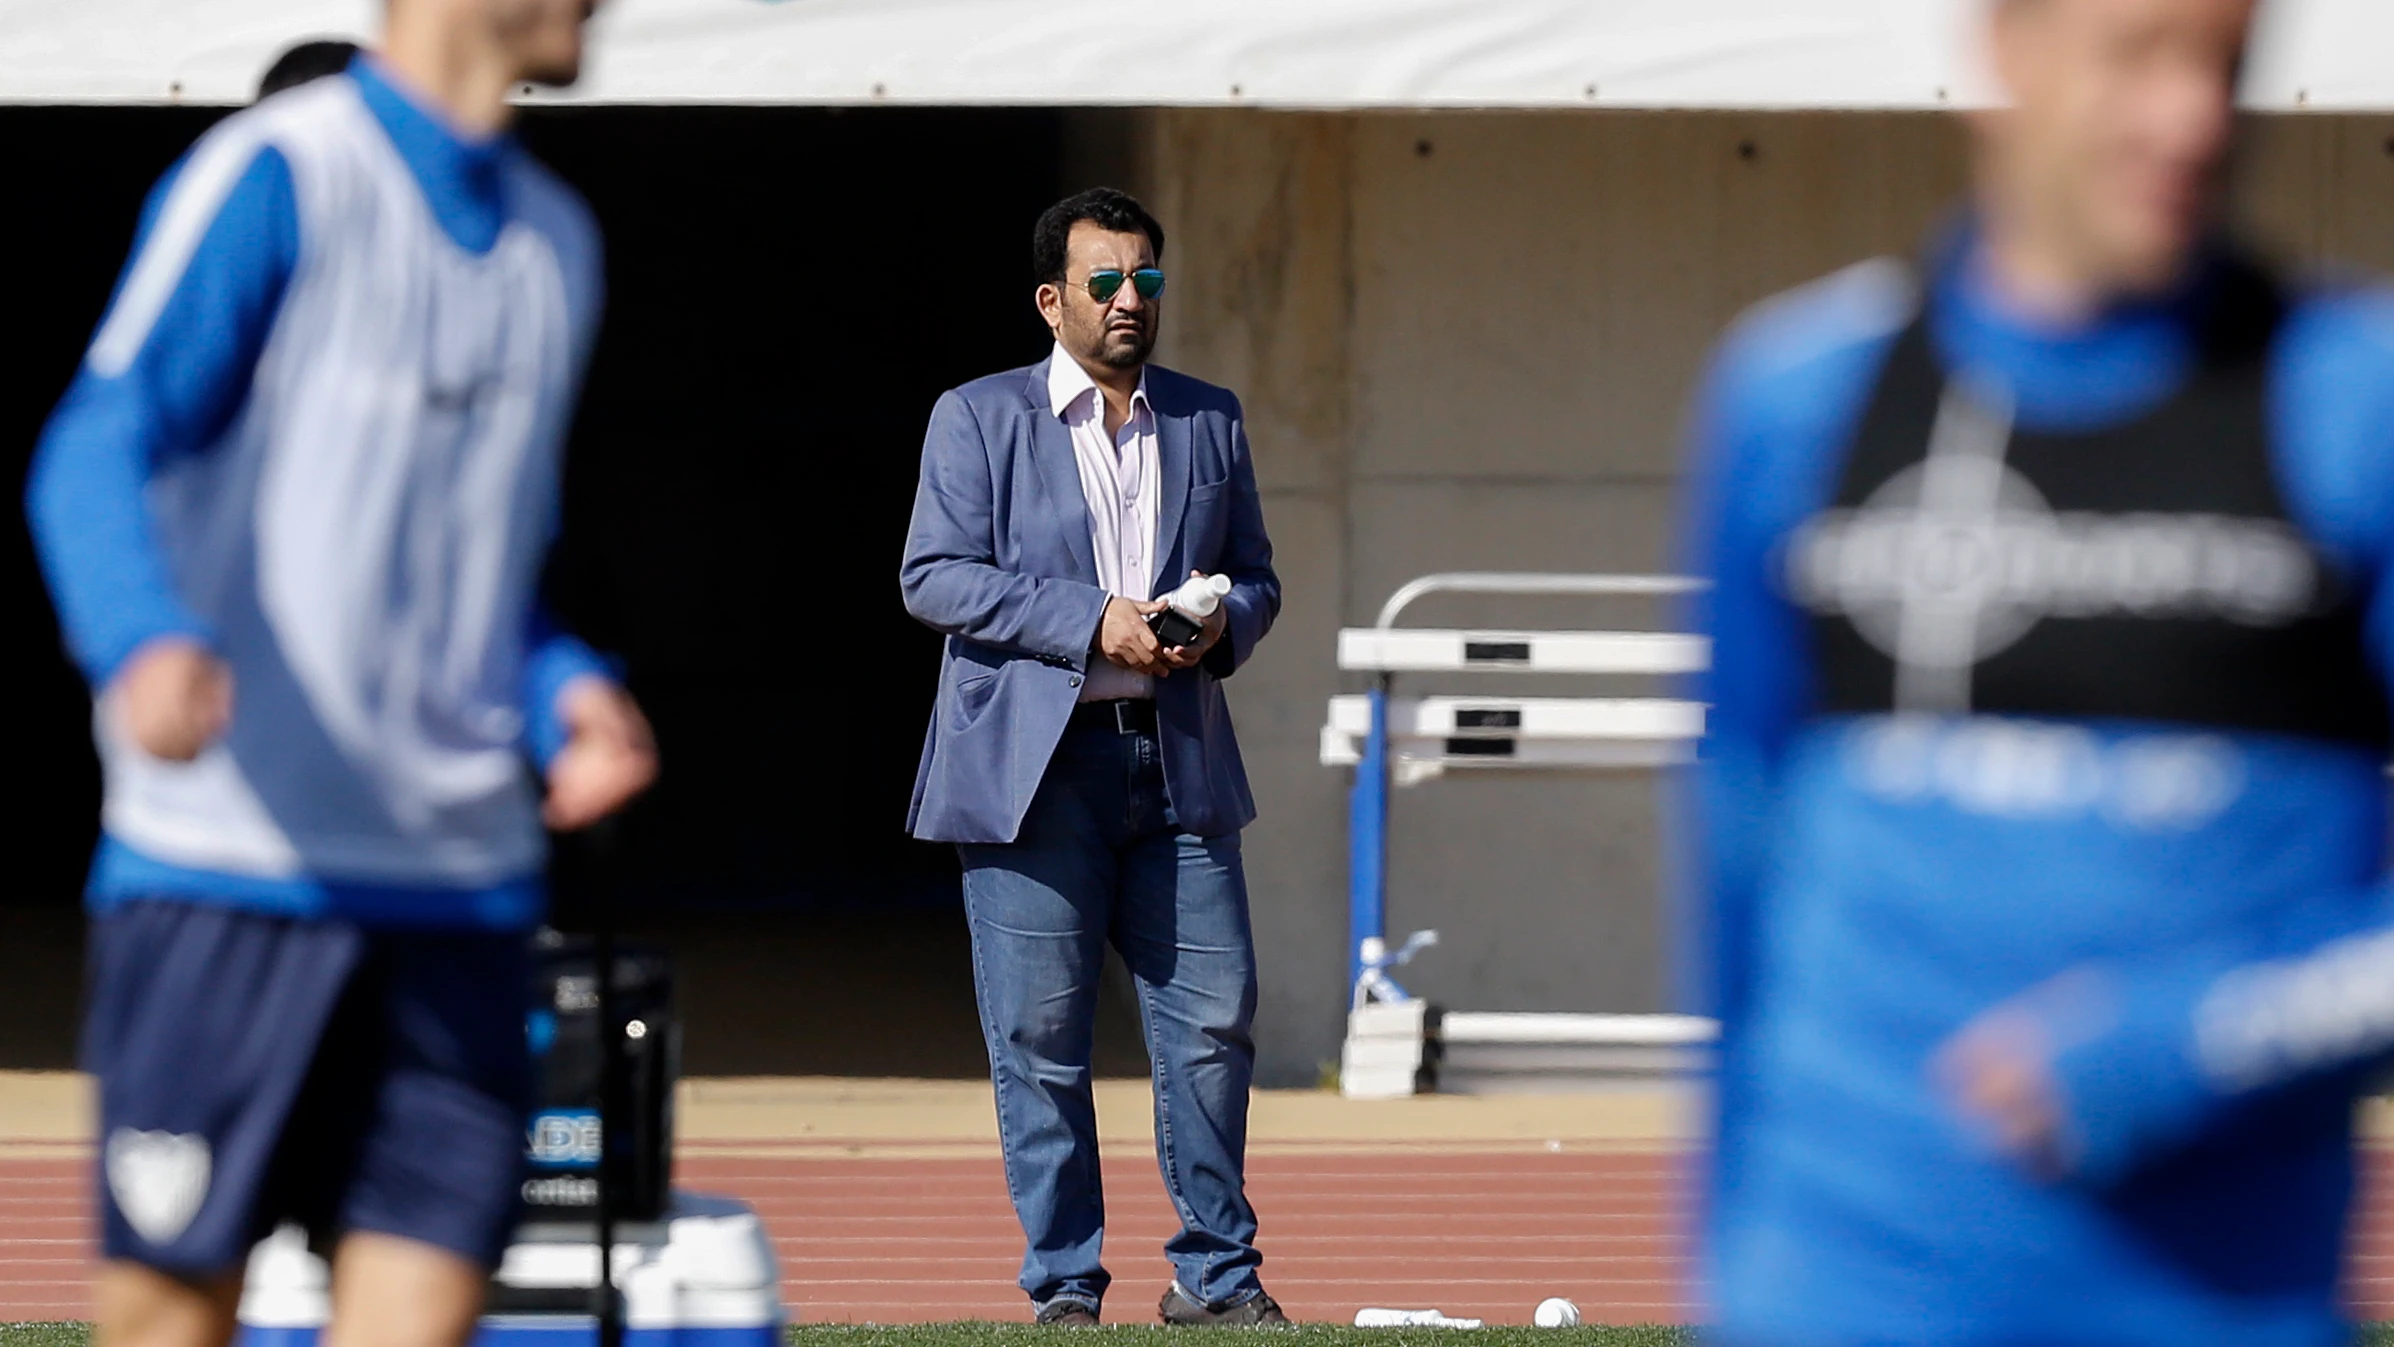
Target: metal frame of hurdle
(1397,1044)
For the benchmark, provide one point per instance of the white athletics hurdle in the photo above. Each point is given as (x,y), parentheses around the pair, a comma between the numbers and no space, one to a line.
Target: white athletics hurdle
(1396,1044)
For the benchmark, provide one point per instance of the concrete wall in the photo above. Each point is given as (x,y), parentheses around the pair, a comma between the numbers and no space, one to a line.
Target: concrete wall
(1467,341)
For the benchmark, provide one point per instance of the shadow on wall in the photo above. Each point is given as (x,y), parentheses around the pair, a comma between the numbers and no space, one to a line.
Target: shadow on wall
(781,994)
(789,290)
(761,994)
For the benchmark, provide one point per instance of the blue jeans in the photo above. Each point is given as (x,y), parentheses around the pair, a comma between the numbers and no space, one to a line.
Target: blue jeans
(1100,859)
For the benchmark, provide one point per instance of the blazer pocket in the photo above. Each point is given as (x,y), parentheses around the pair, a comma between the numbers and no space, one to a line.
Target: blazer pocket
(973,693)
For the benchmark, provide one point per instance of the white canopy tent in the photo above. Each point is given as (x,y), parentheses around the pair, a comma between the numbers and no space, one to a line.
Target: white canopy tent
(2318,55)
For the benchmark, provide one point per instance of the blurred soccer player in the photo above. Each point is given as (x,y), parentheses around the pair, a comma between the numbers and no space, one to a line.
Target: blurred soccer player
(2041,823)
(292,513)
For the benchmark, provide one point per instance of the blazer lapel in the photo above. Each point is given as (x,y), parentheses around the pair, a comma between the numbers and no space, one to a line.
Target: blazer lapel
(1051,444)
(1172,479)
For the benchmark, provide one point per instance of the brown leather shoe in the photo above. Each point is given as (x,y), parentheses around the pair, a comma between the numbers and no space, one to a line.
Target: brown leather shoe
(1256,1311)
(1062,1313)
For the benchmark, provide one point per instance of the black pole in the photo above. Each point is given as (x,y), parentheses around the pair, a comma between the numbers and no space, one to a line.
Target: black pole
(608,1305)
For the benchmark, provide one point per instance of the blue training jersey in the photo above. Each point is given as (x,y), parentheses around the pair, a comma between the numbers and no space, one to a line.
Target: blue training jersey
(2197,906)
(319,432)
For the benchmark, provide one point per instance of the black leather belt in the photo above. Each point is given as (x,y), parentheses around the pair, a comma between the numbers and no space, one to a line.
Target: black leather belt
(1133,715)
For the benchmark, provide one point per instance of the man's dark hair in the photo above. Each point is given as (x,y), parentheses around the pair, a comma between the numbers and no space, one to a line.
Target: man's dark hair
(310,60)
(1106,207)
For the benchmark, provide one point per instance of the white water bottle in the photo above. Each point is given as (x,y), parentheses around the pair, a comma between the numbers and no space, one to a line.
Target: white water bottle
(1182,618)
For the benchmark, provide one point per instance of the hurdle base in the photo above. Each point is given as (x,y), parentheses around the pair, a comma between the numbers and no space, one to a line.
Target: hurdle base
(1389,1053)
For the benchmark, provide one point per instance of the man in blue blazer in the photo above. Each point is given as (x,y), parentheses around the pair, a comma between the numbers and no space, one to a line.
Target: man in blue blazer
(1086,771)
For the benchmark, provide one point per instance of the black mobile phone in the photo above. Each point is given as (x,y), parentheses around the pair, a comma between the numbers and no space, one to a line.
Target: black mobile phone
(1174,627)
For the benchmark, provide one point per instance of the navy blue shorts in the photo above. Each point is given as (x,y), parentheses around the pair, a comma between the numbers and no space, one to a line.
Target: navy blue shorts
(255,1070)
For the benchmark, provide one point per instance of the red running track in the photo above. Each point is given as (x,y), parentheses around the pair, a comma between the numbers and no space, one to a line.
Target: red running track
(1483,1233)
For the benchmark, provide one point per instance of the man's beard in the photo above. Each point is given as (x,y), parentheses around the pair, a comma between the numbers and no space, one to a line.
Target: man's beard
(1130,355)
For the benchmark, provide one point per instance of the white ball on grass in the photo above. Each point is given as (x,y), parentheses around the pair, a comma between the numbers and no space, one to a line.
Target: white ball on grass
(1555,1312)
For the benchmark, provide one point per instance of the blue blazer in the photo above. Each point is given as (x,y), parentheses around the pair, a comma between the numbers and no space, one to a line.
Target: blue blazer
(998,560)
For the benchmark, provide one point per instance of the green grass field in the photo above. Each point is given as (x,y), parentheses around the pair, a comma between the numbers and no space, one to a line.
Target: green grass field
(1147,1335)
(1023,1335)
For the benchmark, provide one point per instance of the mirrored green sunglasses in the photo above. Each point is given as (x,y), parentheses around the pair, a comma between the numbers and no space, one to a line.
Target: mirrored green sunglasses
(1104,285)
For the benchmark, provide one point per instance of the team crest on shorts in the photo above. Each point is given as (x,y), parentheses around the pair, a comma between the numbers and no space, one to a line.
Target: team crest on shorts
(159,1180)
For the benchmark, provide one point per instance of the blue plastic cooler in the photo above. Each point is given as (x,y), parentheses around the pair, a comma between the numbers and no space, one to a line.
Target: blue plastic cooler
(704,1277)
